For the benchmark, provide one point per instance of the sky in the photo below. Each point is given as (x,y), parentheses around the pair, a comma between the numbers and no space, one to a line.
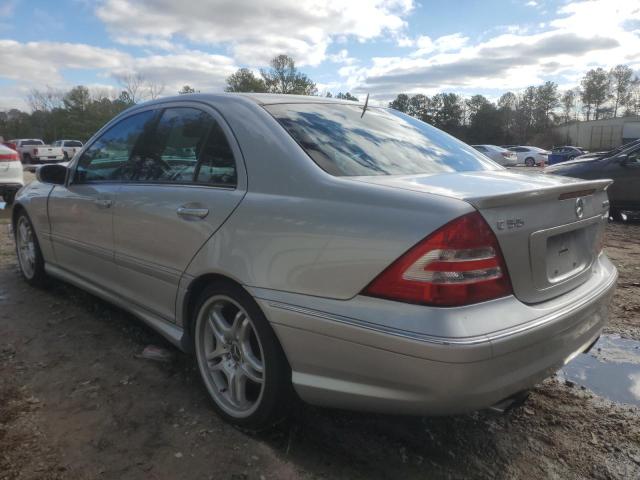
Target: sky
(380,47)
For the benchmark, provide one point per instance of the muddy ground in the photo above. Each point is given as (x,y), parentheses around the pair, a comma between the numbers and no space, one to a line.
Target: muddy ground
(77,402)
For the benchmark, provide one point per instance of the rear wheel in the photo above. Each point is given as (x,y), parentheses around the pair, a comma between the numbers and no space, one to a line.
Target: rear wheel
(529,162)
(26,159)
(65,156)
(239,357)
(28,251)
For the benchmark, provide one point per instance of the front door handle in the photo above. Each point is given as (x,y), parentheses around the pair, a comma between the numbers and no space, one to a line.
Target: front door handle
(103,203)
(192,212)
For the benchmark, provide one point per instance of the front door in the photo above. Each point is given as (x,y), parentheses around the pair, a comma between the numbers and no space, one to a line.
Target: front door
(81,212)
(178,190)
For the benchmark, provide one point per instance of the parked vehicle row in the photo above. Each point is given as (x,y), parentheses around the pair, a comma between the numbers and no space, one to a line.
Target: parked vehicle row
(357,255)
(34,150)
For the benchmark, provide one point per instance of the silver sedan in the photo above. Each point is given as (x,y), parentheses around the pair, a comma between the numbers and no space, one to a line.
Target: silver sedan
(354,256)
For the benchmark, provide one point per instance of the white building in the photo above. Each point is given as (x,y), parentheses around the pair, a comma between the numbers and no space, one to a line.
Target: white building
(601,134)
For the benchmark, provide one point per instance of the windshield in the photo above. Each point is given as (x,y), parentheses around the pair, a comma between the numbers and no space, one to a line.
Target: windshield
(343,142)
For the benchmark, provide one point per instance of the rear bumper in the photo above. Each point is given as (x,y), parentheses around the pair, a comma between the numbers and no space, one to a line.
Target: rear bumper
(10,187)
(339,361)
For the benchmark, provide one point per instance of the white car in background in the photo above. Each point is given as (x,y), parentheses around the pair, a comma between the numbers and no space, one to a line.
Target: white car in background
(69,147)
(498,154)
(11,176)
(531,156)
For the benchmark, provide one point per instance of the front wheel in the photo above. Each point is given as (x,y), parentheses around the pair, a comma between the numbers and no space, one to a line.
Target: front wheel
(239,357)
(28,251)
(529,162)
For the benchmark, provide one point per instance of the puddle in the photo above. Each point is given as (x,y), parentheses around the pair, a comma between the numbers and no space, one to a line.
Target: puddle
(611,369)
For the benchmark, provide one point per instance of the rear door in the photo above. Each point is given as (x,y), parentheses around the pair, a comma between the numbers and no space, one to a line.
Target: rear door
(80,213)
(178,190)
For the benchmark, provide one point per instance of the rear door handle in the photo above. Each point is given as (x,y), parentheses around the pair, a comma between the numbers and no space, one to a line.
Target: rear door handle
(192,212)
(103,203)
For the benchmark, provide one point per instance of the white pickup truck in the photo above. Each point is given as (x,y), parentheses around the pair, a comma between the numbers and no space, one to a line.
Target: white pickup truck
(33,150)
(69,147)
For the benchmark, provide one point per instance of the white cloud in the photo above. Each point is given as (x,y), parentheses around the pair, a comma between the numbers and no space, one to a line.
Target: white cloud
(531,3)
(254,31)
(43,64)
(584,35)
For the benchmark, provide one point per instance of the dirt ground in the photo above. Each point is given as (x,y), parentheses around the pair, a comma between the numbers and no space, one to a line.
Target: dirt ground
(77,402)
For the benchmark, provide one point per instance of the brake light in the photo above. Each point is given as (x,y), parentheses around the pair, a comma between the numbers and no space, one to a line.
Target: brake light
(459,264)
(35,151)
(9,157)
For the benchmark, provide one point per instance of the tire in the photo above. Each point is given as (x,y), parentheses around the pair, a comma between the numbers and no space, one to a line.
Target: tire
(26,159)
(239,358)
(9,197)
(616,215)
(529,162)
(571,158)
(65,157)
(28,251)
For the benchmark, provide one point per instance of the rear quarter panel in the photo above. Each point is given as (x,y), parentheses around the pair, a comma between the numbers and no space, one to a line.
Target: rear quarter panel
(301,230)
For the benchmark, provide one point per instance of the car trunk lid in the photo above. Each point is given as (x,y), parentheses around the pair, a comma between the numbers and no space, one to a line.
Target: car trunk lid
(549,228)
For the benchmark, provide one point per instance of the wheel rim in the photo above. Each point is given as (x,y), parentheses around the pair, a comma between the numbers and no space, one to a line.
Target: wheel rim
(25,241)
(529,162)
(230,356)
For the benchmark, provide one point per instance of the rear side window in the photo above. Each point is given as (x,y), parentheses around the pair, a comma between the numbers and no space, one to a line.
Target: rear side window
(106,159)
(344,142)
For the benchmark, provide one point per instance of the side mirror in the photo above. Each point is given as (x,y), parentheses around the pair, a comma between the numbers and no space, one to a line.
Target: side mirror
(54,173)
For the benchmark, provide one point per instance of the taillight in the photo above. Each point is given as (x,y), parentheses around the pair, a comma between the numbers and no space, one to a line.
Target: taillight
(9,157)
(35,151)
(458,264)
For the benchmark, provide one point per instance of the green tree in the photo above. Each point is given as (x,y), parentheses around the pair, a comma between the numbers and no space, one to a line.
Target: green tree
(186,89)
(283,77)
(244,80)
(446,111)
(595,92)
(400,103)
(347,96)
(546,101)
(621,78)
(568,102)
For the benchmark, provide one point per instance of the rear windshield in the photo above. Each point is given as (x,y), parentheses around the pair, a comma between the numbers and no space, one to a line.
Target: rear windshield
(32,142)
(382,142)
(72,143)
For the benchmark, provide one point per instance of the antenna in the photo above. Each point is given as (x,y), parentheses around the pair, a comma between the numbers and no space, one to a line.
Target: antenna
(366,104)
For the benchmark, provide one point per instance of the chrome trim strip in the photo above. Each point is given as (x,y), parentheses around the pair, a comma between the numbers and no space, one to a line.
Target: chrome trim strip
(461,341)
(160,272)
(83,247)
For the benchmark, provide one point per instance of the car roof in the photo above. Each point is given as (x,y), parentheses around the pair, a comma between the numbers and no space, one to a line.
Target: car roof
(259,98)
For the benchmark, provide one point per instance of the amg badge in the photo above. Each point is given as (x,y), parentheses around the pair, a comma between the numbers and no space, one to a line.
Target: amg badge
(510,223)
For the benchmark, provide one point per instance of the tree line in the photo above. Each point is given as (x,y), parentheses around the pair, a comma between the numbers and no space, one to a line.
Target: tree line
(528,117)
(515,118)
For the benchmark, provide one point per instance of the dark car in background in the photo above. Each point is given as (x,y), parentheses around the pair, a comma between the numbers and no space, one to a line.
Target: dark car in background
(623,167)
(608,153)
(563,154)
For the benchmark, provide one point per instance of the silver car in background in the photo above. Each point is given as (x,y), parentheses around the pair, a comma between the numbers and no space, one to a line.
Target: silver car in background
(500,155)
(354,255)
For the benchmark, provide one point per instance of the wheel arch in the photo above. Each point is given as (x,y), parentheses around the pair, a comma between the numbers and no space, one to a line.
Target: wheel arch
(187,308)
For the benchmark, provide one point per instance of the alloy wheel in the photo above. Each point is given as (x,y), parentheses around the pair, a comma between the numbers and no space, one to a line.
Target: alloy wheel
(25,241)
(230,356)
